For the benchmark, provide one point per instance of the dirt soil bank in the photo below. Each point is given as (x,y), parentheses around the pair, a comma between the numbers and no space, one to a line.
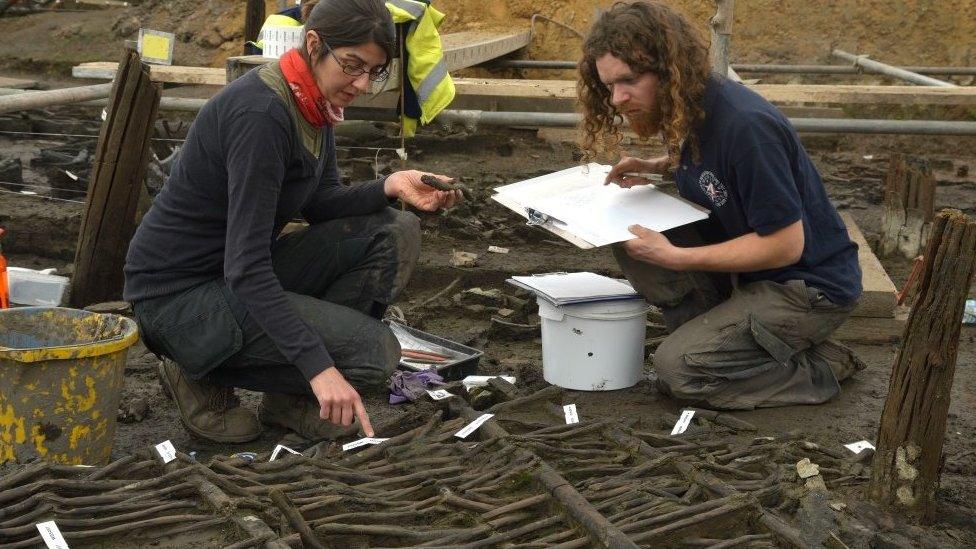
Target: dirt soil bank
(937,32)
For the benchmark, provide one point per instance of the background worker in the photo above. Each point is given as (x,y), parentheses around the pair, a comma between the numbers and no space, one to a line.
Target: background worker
(215,288)
(759,337)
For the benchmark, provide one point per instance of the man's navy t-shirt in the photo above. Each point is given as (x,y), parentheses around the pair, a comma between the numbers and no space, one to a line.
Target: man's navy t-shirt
(755,176)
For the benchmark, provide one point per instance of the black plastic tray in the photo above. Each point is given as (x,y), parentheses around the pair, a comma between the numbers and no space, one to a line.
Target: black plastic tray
(464,360)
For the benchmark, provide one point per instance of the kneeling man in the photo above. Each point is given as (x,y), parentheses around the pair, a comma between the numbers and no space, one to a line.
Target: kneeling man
(752,295)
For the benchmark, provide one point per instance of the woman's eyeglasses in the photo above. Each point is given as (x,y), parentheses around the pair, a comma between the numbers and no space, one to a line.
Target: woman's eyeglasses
(356,69)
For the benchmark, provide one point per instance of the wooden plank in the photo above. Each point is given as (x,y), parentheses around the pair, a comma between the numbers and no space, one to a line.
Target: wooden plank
(864,330)
(878,298)
(561,94)
(564,92)
(159,73)
(470,48)
(118,169)
(17,83)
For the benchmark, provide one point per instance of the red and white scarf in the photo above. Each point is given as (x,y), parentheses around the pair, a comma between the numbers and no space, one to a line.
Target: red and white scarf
(312,104)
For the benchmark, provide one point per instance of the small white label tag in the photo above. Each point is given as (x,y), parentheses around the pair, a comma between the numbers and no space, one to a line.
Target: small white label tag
(51,535)
(166,451)
(439,394)
(71,175)
(571,415)
(104,114)
(860,446)
(362,442)
(279,448)
(480,381)
(473,426)
(683,422)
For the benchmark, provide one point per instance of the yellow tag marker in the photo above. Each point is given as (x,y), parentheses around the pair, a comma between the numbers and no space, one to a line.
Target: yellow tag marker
(155,46)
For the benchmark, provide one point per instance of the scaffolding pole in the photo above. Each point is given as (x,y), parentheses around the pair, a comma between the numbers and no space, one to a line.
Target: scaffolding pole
(40,99)
(742,67)
(875,66)
(475,118)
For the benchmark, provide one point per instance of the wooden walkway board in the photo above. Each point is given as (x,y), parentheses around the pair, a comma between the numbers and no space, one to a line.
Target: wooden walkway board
(776,93)
(878,299)
(470,48)
(159,73)
(466,49)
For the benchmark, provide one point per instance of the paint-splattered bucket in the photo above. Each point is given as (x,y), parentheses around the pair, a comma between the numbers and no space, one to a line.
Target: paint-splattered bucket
(61,376)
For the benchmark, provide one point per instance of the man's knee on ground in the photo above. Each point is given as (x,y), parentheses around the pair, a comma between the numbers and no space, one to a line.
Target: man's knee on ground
(670,366)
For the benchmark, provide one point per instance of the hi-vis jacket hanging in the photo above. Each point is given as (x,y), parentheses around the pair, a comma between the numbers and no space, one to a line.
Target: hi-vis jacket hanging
(430,88)
(275,20)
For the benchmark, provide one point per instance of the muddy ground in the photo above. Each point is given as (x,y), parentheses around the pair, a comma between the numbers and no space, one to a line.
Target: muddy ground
(43,232)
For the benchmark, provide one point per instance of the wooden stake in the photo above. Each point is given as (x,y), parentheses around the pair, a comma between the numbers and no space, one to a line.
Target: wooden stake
(253,21)
(721,27)
(909,207)
(118,172)
(908,460)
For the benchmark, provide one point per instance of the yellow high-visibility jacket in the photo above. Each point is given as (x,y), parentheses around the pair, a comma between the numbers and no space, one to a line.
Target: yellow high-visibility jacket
(275,20)
(426,67)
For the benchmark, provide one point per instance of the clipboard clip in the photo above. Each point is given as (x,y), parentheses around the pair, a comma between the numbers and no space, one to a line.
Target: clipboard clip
(539,219)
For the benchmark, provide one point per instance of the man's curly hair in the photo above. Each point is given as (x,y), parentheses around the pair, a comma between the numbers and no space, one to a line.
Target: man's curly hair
(651,38)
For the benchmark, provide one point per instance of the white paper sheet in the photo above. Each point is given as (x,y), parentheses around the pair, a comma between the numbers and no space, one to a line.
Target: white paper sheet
(581,205)
(575,287)
(683,422)
(51,535)
(572,416)
(473,426)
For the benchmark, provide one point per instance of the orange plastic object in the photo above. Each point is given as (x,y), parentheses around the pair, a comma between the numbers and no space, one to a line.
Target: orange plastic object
(4,286)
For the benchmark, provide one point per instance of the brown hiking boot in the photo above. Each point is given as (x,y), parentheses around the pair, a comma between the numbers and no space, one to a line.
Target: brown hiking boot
(208,411)
(300,414)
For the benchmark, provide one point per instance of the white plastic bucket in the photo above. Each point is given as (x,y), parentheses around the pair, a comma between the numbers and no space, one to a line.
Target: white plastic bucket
(593,346)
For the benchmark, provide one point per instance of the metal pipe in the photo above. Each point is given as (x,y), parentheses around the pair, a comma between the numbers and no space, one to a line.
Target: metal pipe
(472,119)
(570,120)
(188,104)
(876,66)
(873,126)
(39,99)
(744,68)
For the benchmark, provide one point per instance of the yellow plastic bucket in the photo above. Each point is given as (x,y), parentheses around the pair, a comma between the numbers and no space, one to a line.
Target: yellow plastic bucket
(61,376)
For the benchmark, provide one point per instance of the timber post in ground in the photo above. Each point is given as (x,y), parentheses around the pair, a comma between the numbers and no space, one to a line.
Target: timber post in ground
(253,21)
(908,460)
(117,178)
(909,207)
(721,30)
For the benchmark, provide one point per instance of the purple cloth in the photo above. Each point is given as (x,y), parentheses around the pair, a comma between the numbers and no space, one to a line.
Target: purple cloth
(410,386)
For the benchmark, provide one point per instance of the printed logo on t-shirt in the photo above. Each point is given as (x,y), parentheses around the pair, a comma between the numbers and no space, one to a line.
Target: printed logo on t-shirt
(713,189)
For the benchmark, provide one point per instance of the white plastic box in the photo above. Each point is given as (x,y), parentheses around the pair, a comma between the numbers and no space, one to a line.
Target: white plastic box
(36,288)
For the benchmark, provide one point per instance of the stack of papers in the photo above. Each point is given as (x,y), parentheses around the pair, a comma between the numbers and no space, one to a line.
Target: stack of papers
(570,288)
(575,205)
